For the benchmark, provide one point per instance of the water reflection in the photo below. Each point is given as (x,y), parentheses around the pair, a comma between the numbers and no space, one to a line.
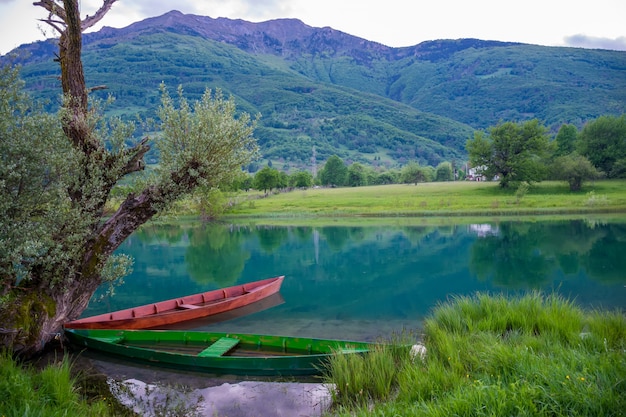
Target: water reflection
(371,281)
(215,255)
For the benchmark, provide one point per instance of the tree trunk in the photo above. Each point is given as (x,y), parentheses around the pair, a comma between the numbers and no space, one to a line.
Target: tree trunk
(63,279)
(34,316)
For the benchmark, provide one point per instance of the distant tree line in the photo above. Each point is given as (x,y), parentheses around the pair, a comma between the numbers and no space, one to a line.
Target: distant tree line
(512,153)
(518,153)
(336,173)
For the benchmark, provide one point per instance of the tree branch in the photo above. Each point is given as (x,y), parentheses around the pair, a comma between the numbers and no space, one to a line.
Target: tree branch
(56,24)
(136,163)
(97,87)
(89,21)
(53,8)
(57,10)
(137,210)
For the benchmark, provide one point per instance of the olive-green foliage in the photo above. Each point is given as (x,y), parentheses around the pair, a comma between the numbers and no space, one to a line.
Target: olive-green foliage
(566,140)
(301,179)
(603,142)
(334,172)
(575,169)
(357,175)
(412,173)
(515,152)
(266,179)
(37,167)
(54,190)
(492,355)
(206,137)
(444,172)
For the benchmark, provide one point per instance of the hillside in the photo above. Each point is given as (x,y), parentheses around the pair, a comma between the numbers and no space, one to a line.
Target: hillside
(320,87)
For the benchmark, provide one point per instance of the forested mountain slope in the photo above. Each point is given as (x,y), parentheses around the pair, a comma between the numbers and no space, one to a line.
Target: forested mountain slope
(342,94)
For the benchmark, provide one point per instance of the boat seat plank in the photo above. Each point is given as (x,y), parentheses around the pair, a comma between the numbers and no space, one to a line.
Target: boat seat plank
(111,339)
(188,306)
(220,347)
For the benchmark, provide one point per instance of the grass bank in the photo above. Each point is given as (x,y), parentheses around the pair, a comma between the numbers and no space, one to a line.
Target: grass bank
(53,391)
(492,356)
(436,199)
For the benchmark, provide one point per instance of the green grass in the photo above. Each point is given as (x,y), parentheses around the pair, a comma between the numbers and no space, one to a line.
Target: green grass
(49,392)
(437,199)
(488,355)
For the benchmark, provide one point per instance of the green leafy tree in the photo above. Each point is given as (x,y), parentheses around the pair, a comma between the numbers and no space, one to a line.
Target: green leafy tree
(283,180)
(515,152)
(51,280)
(388,177)
(412,173)
(357,176)
(566,140)
(247,183)
(266,179)
(301,179)
(603,142)
(575,169)
(335,172)
(444,172)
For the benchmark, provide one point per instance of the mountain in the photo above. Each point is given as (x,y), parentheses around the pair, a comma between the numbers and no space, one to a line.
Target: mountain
(320,87)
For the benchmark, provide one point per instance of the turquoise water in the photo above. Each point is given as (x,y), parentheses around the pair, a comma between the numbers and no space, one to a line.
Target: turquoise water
(366,282)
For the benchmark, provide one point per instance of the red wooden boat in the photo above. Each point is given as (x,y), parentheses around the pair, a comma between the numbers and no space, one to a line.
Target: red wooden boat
(176,310)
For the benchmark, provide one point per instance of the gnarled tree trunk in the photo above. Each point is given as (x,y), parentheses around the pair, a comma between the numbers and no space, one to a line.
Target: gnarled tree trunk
(37,308)
(61,281)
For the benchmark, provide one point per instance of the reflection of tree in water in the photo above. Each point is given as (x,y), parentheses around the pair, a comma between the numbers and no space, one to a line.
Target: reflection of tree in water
(512,258)
(606,261)
(216,255)
(570,241)
(270,238)
(302,233)
(167,233)
(336,237)
(525,254)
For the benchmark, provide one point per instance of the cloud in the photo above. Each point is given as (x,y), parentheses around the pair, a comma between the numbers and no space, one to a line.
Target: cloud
(593,42)
(214,8)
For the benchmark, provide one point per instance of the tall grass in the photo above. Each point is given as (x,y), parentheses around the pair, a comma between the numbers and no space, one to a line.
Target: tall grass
(360,379)
(50,392)
(491,356)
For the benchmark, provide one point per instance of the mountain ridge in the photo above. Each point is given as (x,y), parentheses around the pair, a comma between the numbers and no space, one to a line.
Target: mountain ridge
(343,94)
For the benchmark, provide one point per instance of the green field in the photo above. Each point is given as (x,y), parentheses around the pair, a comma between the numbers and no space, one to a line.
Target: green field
(435,199)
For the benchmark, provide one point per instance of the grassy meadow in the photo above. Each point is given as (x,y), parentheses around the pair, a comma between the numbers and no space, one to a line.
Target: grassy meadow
(459,198)
(492,356)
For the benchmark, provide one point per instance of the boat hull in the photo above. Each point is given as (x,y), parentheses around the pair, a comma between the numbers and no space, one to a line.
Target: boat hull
(252,355)
(177,310)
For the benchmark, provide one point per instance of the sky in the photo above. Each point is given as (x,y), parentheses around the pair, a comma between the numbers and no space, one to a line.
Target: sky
(580,23)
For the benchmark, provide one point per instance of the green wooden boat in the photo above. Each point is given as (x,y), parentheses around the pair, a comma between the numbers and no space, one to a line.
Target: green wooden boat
(218,353)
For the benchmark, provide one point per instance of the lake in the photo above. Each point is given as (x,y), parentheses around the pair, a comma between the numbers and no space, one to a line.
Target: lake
(372,281)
